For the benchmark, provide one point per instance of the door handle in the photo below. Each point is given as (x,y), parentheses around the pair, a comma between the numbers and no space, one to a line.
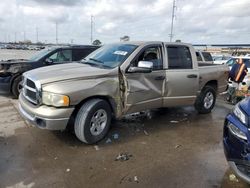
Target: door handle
(160,78)
(192,76)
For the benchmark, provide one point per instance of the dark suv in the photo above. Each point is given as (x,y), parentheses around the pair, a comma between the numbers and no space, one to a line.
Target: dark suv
(11,71)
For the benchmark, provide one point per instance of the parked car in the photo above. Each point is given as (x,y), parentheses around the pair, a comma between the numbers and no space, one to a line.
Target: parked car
(246,61)
(204,57)
(236,139)
(11,71)
(116,80)
(221,59)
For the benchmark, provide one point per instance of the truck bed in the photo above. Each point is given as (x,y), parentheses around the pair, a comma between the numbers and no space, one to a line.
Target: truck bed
(215,71)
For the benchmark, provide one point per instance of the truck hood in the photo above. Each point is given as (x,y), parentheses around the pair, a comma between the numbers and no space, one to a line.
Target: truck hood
(63,72)
(245,105)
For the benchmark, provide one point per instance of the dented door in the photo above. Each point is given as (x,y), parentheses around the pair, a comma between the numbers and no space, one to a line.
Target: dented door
(145,90)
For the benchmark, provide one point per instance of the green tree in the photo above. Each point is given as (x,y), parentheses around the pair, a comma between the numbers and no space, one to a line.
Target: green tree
(97,42)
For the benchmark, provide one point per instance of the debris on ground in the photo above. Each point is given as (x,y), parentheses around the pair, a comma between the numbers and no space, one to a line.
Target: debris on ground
(137,130)
(149,114)
(233,178)
(177,146)
(68,170)
(136,179)
(123,157)
(174,121)
(116,136)
(185,119)
(96,148)
(145,132)
(108,141)
(56,158)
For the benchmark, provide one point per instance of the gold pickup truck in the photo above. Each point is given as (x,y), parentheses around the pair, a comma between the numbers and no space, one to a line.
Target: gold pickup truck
(115,80)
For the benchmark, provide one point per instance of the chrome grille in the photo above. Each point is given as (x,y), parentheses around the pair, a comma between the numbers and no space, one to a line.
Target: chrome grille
(31,91)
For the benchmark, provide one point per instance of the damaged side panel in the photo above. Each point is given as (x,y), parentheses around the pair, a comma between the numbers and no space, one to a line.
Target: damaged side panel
(142,91)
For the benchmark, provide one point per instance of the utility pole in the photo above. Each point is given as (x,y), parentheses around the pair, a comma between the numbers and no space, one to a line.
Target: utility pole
(91,29)
(24,36)
(36,35)
(56,33)
(15,37)
(172,21)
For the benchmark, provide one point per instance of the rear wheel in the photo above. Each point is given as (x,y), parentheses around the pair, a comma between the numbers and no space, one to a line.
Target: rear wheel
(17,87)
(206,100)
(93,121)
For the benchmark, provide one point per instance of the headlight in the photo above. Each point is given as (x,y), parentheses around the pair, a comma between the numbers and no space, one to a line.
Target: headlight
(52,99)
(239,114)
(236,131)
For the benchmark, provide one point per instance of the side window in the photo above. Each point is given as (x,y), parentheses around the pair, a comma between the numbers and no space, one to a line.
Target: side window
(152,54)
(231,62)
(207,56)
(78,54)
(179,57)
(198,56)
(61,56)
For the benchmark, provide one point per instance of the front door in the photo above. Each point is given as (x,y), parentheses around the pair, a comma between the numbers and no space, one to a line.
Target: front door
(145,90)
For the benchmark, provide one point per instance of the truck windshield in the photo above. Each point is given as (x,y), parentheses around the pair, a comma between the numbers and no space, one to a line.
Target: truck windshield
(40,54)
(110,56)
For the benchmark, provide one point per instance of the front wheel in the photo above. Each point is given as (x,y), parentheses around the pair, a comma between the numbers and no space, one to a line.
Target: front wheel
(93,121)
(17,87)
(206,100)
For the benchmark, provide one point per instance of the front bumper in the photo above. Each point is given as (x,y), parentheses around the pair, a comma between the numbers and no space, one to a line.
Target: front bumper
(237,151)
(44,117)
(241,171)
(5,83)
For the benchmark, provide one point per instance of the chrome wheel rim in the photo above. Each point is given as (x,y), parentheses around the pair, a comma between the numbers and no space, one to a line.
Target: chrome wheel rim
(98,122)
(208,100)
(19,87)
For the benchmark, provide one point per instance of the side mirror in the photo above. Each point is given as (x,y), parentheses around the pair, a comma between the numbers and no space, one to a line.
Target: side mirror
(143,67)
(48,61)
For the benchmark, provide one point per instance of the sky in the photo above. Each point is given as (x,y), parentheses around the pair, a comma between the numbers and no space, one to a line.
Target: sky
(195,21)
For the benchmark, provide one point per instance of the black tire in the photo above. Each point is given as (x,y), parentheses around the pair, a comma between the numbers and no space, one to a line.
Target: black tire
(84,117)
(16,86)
(201,104)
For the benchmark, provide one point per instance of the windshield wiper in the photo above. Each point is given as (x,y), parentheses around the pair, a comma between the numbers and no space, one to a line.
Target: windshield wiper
(96,60)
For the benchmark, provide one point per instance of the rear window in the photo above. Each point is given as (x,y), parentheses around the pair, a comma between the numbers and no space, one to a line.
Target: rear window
(179,57)
(207,56)
(198,56)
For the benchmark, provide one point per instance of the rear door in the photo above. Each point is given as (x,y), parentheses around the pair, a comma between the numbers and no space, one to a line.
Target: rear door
(145,90)
(182,76)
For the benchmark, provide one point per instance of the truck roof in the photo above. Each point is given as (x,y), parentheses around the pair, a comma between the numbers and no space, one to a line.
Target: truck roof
(138,43)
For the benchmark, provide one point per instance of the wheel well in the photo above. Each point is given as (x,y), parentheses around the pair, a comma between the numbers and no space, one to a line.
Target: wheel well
(109,100)
(14,77)
(213,83)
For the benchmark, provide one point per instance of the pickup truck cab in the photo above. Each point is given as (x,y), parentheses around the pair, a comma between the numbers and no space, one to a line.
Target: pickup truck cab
(116,80)
(11,70)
